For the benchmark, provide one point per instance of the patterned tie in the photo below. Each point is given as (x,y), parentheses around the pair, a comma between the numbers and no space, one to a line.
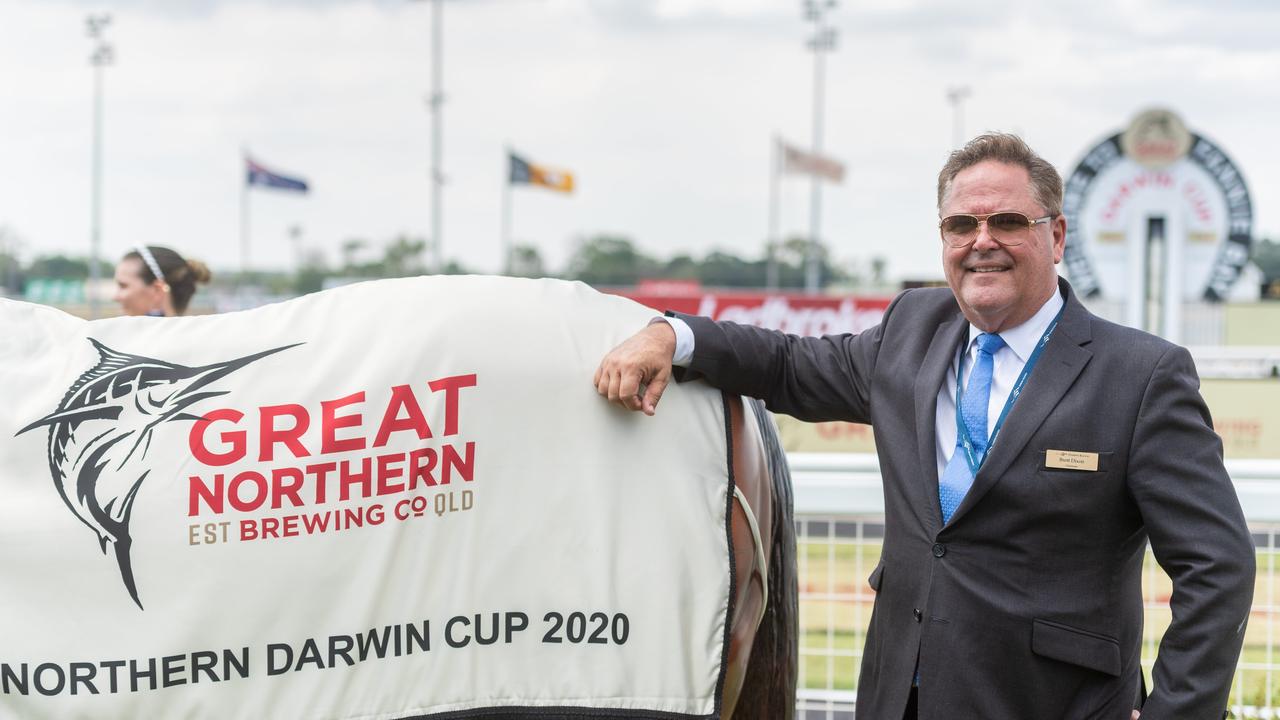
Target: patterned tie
(957,477)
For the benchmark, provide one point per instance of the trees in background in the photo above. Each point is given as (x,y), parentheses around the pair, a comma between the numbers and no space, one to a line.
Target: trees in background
(1266,255)
(610,260)
(526,261)
(10,266)
(606,260)
(63,267)
(613,260)
(402,256)
(14,274)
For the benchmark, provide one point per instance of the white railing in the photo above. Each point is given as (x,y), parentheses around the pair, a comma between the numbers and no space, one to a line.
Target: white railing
(839,509)
(1237,362)
(849,484)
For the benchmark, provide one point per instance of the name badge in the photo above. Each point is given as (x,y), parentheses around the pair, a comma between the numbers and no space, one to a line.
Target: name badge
(1071,460)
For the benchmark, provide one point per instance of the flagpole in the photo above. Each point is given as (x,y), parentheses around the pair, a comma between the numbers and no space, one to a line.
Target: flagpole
(437,116)
(771,268)
(506,210)
(103,55)
(823,40)
(244,221)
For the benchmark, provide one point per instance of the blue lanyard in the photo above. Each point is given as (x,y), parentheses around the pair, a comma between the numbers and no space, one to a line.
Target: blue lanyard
(970,452)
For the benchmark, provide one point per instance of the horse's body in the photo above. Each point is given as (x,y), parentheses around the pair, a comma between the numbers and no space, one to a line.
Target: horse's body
(524,547)
(761,679)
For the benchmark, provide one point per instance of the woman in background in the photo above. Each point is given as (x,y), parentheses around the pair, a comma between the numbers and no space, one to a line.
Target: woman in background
(154,280)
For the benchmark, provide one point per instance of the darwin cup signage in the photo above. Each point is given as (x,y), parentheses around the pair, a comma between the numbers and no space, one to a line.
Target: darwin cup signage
(1156,205)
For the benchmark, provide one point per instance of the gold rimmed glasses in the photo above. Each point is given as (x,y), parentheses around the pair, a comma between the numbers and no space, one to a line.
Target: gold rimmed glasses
(1005,227)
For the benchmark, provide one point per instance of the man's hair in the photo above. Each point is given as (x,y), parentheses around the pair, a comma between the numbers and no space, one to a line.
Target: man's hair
(1046,183)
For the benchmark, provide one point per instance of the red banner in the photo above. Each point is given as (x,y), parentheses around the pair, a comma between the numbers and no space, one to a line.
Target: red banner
(791,313)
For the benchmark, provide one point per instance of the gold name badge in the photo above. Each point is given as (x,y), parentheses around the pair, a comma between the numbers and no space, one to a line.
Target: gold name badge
(1070,460)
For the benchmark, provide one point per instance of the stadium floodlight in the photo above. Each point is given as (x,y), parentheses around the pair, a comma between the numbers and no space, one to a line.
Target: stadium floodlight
(102,56)
(821,42)
(435,101)
(956,96)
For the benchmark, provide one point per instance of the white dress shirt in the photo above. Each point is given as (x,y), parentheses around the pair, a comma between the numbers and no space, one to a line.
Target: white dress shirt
(1009,360)
(684,341)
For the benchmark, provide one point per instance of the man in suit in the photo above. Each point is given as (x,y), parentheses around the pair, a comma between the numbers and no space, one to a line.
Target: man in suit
(1029,451)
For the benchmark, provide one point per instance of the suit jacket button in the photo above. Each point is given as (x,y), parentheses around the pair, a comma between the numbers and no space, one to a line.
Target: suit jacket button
(939,550)
(918,615)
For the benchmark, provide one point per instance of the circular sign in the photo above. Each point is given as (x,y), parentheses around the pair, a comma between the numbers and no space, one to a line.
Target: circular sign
(1156,174)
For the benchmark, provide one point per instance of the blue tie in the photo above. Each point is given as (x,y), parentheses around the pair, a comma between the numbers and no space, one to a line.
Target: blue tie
(957,477)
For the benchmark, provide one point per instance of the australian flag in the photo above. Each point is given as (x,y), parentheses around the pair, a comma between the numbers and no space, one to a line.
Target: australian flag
(255,174)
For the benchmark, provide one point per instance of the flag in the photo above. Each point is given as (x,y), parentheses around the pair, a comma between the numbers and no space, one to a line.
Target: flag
(255,174)
(798,161)
(523,172)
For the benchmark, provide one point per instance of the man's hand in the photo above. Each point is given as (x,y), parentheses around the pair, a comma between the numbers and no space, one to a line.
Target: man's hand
(641,363)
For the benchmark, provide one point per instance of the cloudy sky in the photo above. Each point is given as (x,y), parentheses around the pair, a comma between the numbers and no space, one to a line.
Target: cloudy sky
(663,109)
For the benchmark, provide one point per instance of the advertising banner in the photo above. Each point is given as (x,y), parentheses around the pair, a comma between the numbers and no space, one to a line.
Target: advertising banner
(1246,414)
(791,313)
(395,499)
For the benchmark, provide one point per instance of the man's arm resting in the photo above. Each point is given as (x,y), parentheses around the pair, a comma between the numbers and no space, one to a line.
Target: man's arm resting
(810,378)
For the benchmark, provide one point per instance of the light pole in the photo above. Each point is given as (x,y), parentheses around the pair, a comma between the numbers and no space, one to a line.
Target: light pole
(956,96)
(435,101)
(103,55)
(10,246)
(821,42)
(295,239)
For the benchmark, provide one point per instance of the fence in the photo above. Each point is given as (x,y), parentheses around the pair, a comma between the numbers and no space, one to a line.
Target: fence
(839,525)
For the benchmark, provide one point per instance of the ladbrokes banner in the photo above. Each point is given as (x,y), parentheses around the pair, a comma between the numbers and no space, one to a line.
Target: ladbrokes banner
(790,313)
(396,499)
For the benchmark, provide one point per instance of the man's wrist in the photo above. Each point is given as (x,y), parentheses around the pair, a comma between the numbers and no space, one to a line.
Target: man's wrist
(683,354)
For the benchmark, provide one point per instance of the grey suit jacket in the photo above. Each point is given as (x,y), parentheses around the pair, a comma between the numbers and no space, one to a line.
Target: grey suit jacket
(1028,603)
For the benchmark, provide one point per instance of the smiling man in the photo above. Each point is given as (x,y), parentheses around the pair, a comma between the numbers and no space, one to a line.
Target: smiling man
(1029,452)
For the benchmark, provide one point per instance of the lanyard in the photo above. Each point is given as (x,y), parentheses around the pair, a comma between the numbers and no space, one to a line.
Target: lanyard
(970,452)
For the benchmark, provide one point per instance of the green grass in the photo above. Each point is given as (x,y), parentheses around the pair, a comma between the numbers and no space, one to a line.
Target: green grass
(832,661)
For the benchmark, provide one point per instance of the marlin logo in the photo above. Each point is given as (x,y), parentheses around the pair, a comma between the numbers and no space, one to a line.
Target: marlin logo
(100,433)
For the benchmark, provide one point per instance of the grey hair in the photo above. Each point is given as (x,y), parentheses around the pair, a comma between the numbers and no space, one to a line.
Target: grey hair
(1046,183)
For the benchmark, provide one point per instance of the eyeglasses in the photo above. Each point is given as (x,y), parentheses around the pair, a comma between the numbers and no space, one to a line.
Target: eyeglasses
(960,231)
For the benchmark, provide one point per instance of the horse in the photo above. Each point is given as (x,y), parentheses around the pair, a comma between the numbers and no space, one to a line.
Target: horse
(184,416)
(763,650)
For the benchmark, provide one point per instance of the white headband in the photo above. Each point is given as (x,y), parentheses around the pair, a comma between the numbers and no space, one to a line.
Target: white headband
(145,253)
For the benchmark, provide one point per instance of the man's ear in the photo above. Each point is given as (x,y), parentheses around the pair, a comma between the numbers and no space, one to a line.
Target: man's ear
(1059,227)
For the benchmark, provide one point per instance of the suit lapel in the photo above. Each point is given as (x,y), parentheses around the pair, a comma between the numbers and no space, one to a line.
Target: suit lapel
(1060,364)
(933,373)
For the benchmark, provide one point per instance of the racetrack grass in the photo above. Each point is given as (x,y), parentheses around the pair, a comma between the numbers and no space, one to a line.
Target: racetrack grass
(834,594)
